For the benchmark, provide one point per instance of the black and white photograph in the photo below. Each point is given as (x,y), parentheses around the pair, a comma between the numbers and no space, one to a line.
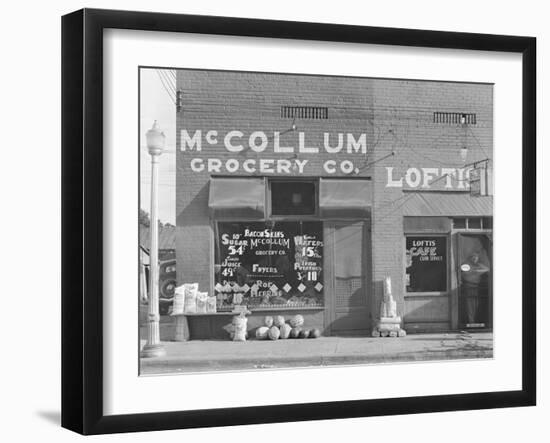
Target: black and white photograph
(295,221)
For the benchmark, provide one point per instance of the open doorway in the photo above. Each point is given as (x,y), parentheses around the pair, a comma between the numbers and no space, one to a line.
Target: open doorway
(475,281)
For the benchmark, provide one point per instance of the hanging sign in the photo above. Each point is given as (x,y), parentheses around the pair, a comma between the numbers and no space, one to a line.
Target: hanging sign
(481,181)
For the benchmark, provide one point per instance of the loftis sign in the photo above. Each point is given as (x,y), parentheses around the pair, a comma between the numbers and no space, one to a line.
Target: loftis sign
(353,146)
(426,178)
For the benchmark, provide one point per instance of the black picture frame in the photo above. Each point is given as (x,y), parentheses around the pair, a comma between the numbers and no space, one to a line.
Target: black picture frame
(82,218)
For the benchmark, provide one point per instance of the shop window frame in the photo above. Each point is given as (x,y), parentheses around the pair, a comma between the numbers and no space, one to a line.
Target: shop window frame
(482,229)
(214,235)
(447,291)
(269,216)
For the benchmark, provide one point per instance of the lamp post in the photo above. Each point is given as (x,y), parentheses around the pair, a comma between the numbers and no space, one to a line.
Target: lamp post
(153,348)
(463,152)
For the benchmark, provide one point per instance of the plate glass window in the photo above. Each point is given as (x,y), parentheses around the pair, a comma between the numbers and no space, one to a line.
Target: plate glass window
(459,223)
(474,223)
(426,264)
(269,264)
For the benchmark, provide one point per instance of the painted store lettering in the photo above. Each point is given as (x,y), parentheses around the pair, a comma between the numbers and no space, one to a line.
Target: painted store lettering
(452,178)
(267,166)
(264,165)
(258,141)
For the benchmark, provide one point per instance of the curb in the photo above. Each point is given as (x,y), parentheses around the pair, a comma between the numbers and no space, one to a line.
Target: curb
(178,364)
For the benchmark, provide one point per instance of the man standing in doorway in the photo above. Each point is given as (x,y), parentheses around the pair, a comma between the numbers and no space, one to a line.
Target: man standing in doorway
(472,273)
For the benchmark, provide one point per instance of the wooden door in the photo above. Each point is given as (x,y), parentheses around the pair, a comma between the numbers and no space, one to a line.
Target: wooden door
(347,264)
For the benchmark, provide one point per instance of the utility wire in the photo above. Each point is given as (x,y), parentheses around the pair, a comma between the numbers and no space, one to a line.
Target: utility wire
(171,89)
(166,84)
(477,141)
(406,199)
(170,82)
(171,95)
(172,73)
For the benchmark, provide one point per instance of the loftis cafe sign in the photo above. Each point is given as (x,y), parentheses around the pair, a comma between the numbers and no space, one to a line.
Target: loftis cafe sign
(354,146)
(426,178)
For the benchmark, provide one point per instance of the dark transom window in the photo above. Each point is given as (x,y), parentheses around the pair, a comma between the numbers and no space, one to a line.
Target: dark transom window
(293,198)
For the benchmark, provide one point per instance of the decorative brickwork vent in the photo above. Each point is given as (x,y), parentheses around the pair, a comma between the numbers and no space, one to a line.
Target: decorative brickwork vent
(304,112)
(454,118)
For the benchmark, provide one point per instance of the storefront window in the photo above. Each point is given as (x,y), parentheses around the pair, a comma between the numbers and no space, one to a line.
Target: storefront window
(269,264)
(426,264)
(474,223)
(459,223)
(487,222)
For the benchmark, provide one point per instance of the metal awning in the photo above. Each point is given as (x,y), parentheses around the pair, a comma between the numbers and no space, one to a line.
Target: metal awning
(237,197)
(450,204)
(345,198)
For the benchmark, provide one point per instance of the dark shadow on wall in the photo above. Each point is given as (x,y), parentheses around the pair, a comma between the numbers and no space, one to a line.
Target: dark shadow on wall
(358,321)
(429,308)
(196,212)
(376,299)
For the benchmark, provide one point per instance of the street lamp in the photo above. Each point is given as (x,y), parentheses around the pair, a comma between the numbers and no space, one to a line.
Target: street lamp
(153,348)
(463,152)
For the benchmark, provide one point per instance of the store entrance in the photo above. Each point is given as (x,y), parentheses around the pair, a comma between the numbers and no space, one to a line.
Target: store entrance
(475,280)
(347,264)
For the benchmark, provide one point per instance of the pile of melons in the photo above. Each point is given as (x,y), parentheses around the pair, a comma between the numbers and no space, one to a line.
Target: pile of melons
(276,328)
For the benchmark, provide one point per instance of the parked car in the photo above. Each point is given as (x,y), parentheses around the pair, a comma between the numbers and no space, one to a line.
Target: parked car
(167,284)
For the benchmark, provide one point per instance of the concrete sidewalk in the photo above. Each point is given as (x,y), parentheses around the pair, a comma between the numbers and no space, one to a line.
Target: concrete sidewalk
(210,355)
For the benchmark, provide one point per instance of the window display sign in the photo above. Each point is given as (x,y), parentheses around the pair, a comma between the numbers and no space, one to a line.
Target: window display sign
(426,264)
(267,264)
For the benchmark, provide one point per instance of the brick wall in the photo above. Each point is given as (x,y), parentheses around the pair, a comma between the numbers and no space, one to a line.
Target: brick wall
(394,116)
(404,118)
(226,101)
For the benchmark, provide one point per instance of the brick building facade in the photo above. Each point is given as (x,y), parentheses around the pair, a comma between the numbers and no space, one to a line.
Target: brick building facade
(387,164)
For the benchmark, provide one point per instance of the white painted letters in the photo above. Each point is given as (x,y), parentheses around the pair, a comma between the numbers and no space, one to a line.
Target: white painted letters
(329,148)
(391,183)
(357,145)
(427,177)
(227,141)
(190,142)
